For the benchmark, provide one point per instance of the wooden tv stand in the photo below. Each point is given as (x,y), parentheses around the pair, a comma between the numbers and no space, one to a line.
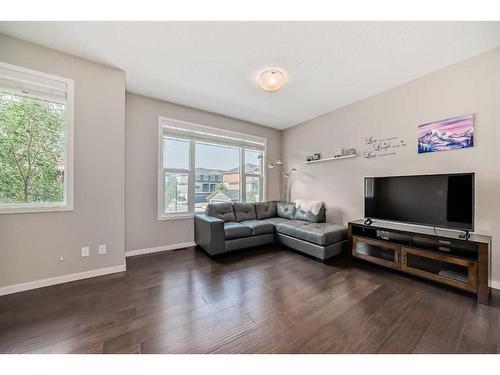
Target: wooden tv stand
(439,255)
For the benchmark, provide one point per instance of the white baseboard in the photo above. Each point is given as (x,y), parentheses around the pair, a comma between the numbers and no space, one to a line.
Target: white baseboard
(61,279)
(151,250)
(495,284)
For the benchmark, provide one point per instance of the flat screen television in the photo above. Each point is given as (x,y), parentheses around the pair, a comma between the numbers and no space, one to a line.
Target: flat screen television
(440,200)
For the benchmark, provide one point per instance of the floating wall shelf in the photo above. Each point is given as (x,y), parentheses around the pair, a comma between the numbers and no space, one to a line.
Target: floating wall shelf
(328,159)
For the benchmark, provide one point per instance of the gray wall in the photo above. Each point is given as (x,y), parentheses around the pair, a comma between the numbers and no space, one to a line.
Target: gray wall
(143,230)
(31,244)
(472,86)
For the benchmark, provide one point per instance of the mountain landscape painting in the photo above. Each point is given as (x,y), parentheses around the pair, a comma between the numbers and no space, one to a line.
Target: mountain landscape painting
(445,135)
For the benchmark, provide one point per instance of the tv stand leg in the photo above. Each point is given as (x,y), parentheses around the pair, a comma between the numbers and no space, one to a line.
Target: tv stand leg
(483,290)
(483,298)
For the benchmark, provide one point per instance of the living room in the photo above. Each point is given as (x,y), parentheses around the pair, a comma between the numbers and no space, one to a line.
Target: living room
(247,187)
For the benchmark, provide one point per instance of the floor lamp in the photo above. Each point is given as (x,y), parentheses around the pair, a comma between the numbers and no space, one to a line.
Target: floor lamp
(285,175)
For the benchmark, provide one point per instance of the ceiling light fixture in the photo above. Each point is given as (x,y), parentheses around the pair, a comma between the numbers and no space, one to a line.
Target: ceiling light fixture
(271,80)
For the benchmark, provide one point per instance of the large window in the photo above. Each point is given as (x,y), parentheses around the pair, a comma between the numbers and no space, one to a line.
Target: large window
(201,165)
(36,117)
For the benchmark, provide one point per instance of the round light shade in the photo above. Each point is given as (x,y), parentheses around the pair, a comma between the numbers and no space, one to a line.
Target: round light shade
(271,80)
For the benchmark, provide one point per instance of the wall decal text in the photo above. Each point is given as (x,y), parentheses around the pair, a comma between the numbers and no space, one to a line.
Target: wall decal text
(382,147)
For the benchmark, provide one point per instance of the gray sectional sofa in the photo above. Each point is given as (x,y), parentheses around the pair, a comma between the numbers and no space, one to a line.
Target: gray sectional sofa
(227,227)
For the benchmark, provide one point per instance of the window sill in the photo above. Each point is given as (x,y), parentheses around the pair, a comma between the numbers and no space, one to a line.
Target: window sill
(33,209)
(176,217)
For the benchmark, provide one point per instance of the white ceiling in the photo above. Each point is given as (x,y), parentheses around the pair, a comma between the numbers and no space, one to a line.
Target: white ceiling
(213,65)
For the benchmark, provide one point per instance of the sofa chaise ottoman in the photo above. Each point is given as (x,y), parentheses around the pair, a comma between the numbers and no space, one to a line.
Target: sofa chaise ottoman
(227,227)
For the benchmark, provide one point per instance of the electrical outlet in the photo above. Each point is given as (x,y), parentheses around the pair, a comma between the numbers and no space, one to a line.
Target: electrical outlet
(85,251)
(102,249)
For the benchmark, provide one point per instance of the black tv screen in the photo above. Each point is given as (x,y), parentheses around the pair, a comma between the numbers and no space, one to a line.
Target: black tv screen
(441,200)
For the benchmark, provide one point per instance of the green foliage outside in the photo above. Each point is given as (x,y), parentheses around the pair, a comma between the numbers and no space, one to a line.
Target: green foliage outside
(31,150)
(175,191)
(219,187)
(252,195)
(170,190)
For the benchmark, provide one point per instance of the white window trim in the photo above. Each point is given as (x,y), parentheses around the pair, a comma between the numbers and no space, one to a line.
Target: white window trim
(161,215)
(67,204)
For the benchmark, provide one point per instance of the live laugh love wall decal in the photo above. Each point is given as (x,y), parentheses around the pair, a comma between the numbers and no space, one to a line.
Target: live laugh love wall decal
(382,147)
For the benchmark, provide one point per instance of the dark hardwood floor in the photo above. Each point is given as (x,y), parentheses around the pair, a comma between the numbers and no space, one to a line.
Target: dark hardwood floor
(269,300)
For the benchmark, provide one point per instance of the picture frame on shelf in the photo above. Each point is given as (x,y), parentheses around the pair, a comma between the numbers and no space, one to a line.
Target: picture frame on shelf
(350,151)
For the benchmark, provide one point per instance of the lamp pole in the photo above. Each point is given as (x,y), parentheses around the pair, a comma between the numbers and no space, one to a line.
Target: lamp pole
(284,173)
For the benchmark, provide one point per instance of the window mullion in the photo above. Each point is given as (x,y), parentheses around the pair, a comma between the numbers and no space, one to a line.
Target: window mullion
(264,173)
(243,192)
(192,176)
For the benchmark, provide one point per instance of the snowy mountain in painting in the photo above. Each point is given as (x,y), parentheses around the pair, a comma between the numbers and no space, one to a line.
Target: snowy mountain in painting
(436,138)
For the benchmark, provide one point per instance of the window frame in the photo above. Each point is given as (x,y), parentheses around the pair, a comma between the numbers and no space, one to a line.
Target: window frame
(67,203)
(164,122)
(161,182)
(245,174)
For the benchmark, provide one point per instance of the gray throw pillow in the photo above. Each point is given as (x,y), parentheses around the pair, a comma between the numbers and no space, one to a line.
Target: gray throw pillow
(265,210)
(286,210)
(223,211)
(309,216)
(244,211)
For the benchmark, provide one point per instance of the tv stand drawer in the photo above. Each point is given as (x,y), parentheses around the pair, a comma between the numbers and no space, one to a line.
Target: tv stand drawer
(458,272)
(376,251)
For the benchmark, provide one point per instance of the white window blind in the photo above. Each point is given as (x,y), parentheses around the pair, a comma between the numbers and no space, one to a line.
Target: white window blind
(220,137)
(21,81)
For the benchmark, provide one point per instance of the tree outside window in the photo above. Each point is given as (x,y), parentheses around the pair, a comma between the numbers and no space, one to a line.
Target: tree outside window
(32,161)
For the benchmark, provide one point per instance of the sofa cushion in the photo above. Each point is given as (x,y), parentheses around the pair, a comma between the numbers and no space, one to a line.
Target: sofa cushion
(322,234)
(285,210)
(259,226)
(223,211)
(244,211)
(236,230)
(265,210)
(275,220)
(309,216)
(289,225)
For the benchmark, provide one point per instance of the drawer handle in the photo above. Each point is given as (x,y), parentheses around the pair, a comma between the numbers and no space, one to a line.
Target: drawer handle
(445,242)
(442,248)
